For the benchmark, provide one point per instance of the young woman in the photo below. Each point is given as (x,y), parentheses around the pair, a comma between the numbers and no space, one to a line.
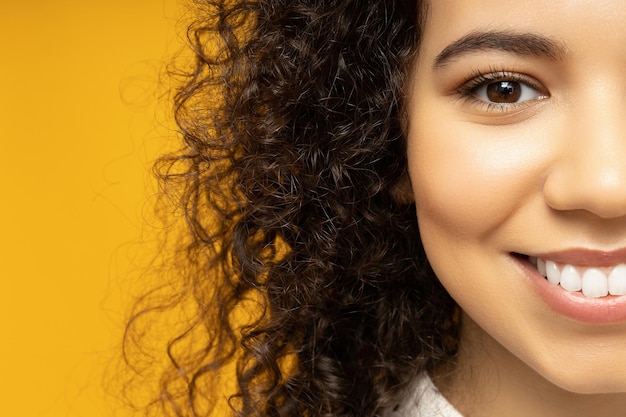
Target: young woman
(402,208)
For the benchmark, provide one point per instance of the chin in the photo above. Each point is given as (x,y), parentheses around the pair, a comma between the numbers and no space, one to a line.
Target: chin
(589,378)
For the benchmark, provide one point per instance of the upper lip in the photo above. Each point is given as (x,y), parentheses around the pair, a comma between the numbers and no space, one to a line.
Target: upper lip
(585,257)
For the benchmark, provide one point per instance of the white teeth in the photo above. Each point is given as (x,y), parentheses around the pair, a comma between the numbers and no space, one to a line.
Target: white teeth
(541,266)
(617,280)
(592,281)
(570,279)
(552,273)
(595,283)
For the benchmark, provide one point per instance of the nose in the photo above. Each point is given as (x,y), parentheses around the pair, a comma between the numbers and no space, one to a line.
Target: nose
(589,171)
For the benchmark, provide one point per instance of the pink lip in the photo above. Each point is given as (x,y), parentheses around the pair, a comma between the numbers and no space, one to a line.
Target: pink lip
(586,257)
(574,305)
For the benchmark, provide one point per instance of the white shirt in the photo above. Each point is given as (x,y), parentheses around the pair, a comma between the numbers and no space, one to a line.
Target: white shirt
(424,400)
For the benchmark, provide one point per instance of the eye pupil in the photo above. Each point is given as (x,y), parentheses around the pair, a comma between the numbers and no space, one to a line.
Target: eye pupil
(504,92)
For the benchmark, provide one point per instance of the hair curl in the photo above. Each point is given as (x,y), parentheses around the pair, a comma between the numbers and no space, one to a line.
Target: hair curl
(302,265)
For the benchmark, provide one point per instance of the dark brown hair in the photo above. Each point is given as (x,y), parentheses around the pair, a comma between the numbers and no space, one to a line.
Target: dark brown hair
(300,264)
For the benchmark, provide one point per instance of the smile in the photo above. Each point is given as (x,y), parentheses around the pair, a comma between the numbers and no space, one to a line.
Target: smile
(592,281)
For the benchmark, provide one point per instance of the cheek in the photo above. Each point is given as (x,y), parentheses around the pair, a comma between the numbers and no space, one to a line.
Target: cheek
(468,182)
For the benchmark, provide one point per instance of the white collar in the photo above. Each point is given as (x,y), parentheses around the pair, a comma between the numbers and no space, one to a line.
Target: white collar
(424,400)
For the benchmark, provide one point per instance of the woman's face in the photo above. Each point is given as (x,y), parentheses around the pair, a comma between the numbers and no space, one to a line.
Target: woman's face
(517,151)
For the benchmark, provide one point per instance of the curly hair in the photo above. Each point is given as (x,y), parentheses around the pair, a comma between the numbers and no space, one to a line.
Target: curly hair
(301,264)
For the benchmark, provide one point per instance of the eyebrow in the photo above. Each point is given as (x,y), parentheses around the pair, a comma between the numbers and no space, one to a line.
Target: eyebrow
(523,44)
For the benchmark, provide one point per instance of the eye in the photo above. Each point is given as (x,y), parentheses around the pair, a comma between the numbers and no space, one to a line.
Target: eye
(507,92)
(502,89)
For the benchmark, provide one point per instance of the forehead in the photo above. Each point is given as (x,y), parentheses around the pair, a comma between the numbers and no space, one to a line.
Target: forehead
(568,21)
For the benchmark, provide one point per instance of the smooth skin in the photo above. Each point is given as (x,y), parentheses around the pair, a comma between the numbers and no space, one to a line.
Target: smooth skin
(534,164)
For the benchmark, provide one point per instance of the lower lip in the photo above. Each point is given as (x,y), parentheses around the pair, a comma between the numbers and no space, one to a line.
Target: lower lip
(574,305)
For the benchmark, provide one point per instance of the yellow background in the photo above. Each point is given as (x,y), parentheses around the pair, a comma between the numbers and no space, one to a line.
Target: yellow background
(80,123)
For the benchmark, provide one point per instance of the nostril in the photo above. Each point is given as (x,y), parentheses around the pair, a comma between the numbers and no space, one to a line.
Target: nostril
(584,184)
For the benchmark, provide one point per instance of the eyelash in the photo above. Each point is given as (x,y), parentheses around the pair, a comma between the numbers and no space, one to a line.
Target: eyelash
(466,90)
